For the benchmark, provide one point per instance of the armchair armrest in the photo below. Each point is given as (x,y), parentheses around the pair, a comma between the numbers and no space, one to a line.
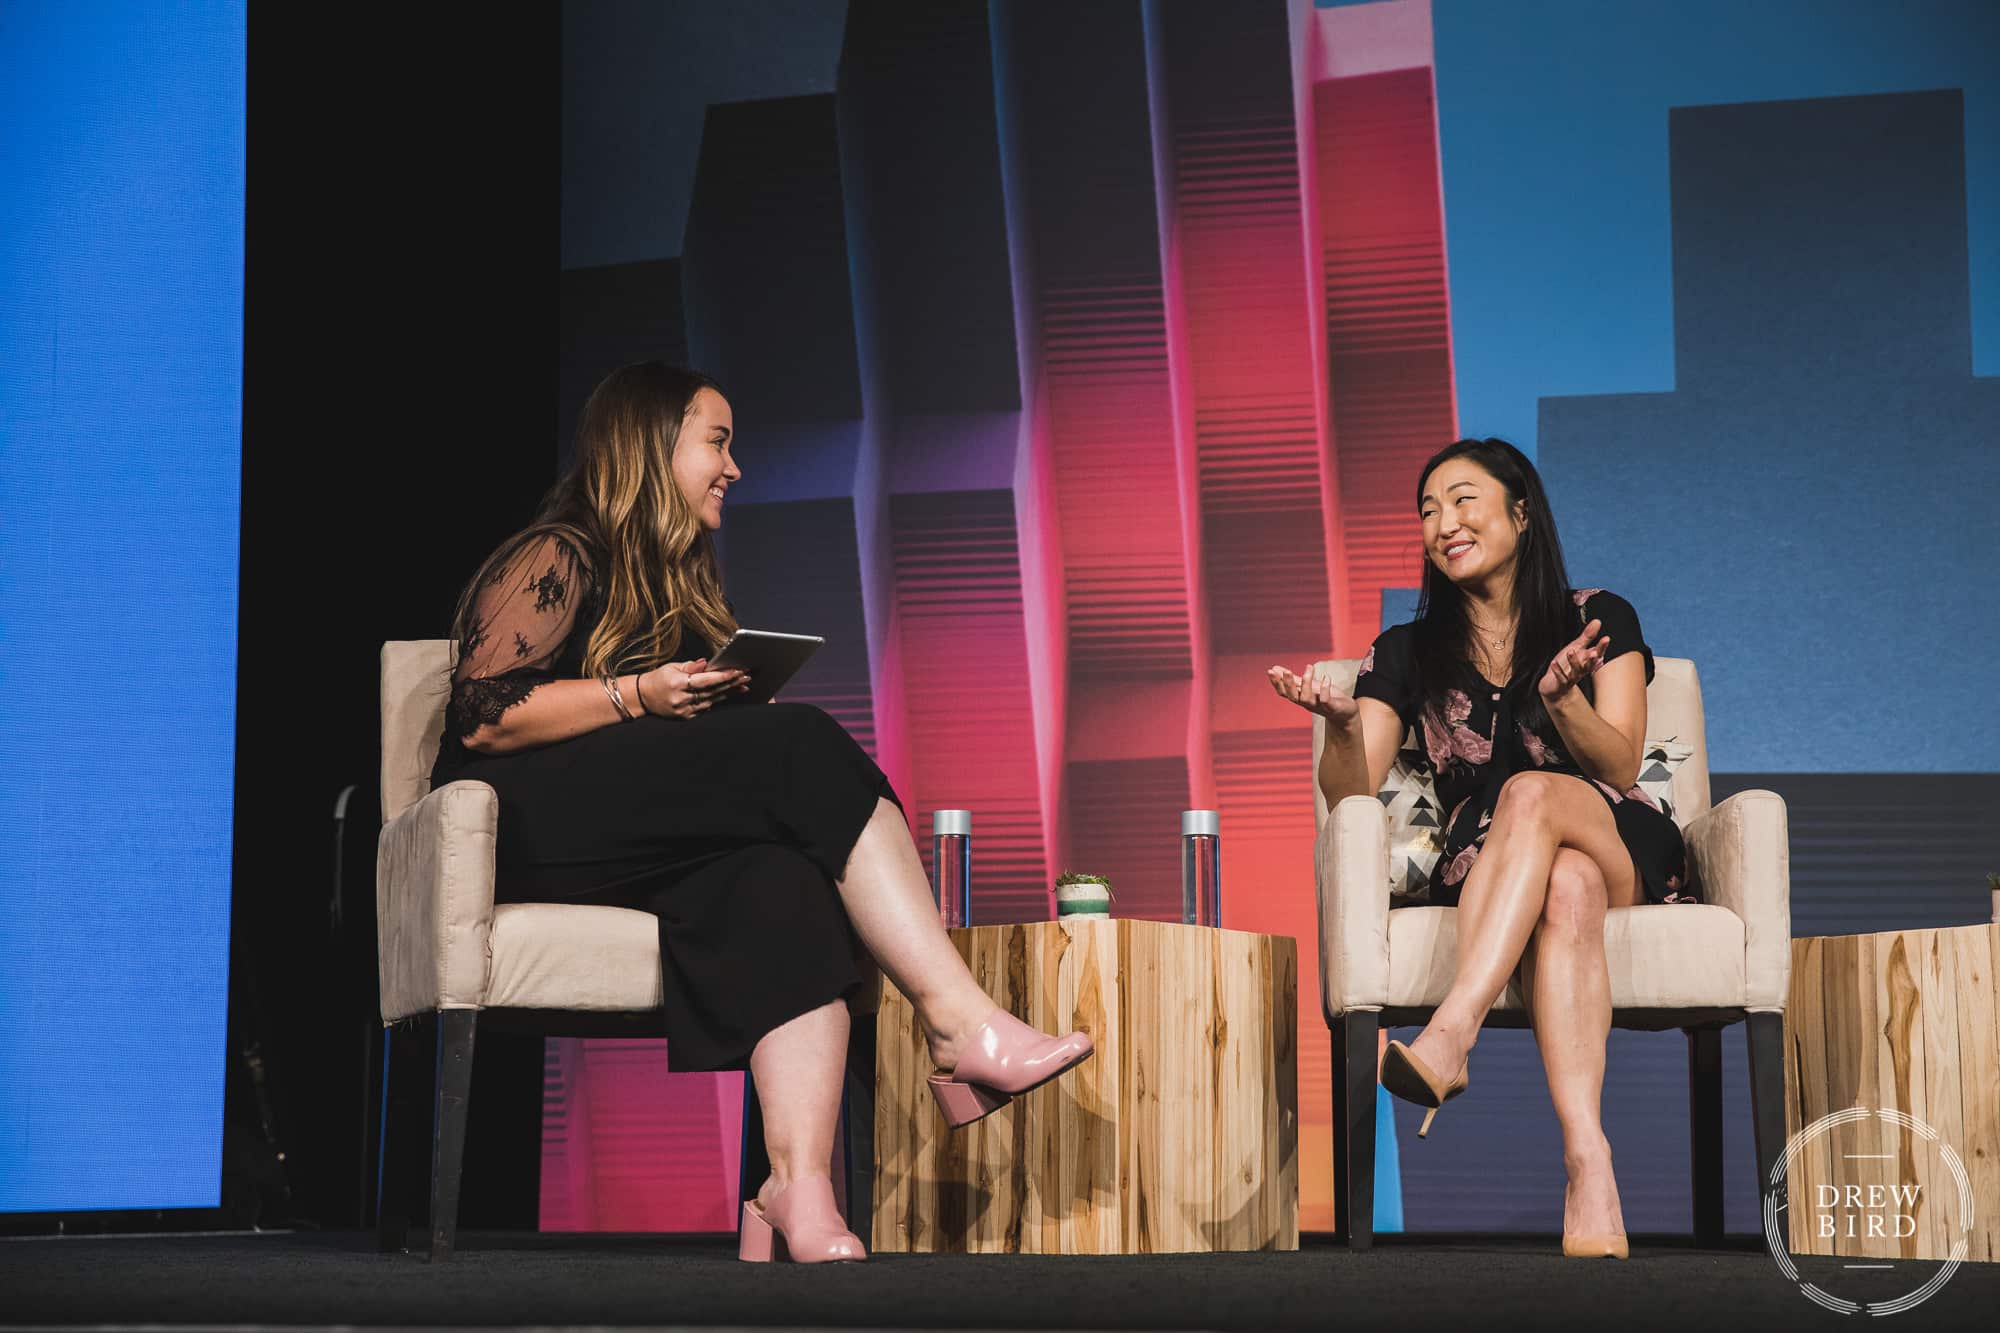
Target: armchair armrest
(1740,857)
(1351,874)
(434,901)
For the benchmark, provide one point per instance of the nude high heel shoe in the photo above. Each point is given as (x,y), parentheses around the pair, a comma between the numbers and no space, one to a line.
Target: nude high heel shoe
(1409,1078)
(803,1225)
(1003,1059)
(1595,1247)
(1593,1244)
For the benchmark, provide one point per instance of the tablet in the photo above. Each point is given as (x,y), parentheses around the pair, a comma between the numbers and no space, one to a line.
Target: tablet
(772,659)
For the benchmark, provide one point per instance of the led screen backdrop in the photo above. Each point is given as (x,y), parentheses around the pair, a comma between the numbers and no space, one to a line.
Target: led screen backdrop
(1083,356)
(121,263)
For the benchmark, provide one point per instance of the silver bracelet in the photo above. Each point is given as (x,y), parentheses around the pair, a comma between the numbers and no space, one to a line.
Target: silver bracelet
(617,697)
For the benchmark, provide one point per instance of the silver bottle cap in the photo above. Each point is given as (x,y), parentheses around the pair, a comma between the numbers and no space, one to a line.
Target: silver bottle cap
(1201,822)
(947,822)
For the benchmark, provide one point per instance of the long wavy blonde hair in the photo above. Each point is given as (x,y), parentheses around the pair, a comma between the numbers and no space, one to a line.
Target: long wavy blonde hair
(651,562)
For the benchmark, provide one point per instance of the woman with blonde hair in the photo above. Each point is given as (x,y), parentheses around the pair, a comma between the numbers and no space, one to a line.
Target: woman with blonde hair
(765,840)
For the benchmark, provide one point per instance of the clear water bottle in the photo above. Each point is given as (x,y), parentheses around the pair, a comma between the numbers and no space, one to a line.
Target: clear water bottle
(951,866)
(1201,868)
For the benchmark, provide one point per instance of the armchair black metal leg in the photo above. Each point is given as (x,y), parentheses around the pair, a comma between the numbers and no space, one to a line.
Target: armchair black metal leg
(858,1122)
(1354,1036)
(402,1159)
(755,1163)
(1767,1095)
(456,1028)
(1705,1131)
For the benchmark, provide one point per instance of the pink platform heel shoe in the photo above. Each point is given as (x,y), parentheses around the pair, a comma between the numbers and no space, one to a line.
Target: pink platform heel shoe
(802,1225)
(1003,1059)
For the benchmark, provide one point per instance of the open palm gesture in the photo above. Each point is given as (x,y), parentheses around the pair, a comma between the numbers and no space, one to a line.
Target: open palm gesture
(1578,659)
(1314,695)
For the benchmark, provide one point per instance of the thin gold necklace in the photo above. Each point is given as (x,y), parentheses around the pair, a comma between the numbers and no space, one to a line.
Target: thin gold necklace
(1495,643)
(1497,640)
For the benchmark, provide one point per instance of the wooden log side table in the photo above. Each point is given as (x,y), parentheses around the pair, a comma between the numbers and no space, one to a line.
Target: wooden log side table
(1179,1133)
(1902,1021)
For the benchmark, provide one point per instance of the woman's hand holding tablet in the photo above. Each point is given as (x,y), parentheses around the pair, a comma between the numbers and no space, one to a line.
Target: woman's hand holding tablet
(770,659)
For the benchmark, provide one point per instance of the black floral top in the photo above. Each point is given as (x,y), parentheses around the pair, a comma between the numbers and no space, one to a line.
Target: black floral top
(1472,744)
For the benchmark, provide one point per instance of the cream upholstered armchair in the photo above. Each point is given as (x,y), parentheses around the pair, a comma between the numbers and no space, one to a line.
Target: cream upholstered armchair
(451,960)
(1697,967)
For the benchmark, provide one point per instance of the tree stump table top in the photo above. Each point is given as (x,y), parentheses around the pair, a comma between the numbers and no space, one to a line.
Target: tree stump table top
(1180,1133)
(1899,1024)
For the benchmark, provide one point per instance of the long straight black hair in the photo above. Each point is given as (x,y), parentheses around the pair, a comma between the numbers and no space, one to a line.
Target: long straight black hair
(1546,616)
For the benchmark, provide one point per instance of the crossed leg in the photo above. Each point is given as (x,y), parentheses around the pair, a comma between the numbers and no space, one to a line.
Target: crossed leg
(1552,864)
(888,898)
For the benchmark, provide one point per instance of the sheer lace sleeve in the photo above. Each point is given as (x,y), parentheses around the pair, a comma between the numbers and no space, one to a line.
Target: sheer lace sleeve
(522,615)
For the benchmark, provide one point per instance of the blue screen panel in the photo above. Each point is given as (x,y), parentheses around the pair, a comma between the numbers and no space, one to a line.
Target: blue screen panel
(1552,125)
(121,311)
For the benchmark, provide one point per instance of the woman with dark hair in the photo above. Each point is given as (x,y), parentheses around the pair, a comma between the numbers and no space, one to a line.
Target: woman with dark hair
(764,838)
(1530,697)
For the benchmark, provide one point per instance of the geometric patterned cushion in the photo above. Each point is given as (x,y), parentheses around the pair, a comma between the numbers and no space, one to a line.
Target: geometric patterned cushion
(1416,827)
(1661,761)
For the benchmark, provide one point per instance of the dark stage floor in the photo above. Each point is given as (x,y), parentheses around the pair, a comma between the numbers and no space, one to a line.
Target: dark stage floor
(1456,1283)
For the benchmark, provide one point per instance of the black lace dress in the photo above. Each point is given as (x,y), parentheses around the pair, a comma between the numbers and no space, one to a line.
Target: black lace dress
(731,827)
(1474,744)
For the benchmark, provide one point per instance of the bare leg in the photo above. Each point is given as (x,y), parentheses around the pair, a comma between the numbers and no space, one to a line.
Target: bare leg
(1569,1002)
(1538,814)
(888,898)
(797,1067)
(1475,897)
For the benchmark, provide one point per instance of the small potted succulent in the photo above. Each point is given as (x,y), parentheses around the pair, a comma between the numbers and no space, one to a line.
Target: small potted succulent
(1083,895)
